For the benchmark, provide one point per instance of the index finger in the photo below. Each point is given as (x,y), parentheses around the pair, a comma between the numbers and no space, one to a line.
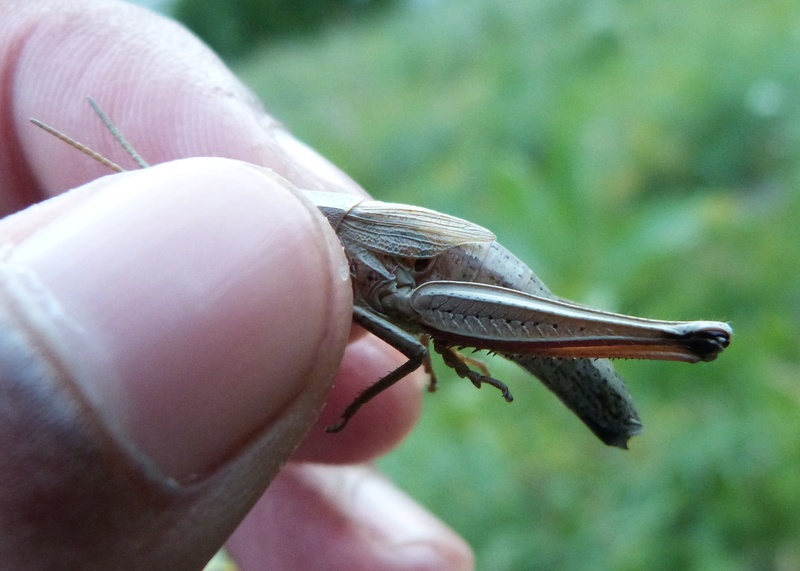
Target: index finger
(171,96)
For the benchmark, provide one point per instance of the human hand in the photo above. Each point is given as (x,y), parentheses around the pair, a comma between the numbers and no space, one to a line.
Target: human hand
(169,335)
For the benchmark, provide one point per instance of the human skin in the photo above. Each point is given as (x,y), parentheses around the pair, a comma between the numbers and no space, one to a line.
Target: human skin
(170,335)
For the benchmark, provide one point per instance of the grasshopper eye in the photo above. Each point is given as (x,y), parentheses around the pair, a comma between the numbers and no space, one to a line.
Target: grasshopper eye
(415,265)
(422,264)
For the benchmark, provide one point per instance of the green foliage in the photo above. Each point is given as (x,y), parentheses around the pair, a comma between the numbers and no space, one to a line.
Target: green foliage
(641,156)
(234,28)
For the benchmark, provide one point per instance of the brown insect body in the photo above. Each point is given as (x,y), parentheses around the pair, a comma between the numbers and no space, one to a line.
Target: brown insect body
(423,272)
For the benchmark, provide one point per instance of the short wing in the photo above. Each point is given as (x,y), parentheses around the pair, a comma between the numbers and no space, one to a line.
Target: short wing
(408,231)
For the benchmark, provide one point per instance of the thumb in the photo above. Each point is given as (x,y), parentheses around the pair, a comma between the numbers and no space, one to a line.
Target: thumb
(168,336)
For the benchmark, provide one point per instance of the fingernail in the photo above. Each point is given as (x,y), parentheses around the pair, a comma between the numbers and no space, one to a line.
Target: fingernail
(190,300)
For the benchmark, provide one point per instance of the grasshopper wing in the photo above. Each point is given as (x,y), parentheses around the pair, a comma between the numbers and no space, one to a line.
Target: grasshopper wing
(395,229)
(408,231)
(502,319)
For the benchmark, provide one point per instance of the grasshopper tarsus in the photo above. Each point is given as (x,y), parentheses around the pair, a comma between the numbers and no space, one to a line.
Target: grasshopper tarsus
(458,363)
(499,385)
(479,380)
(432,383)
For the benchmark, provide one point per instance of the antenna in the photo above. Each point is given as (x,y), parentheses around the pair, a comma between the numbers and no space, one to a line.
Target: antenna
(90,152)
(117,135)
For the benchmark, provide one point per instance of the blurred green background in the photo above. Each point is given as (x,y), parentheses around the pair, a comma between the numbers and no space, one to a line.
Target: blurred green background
(642,157)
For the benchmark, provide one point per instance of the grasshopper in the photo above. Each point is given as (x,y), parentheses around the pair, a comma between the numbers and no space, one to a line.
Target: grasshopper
(423,278)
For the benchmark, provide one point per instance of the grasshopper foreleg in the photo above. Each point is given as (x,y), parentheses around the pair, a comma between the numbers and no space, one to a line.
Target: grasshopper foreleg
(417,353)
(458,363)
